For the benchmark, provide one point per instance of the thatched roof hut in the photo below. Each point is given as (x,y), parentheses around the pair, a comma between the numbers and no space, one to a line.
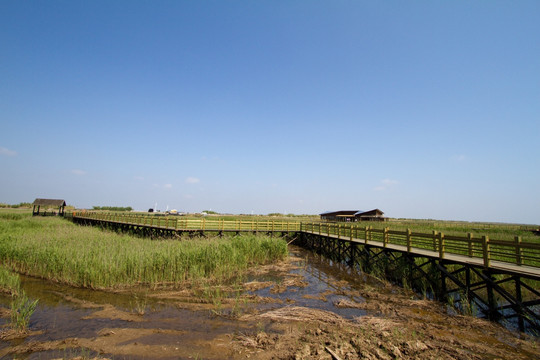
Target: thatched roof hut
(48,203)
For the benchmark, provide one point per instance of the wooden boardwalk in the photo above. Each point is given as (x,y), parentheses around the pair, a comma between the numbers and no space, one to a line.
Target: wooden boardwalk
(499,277)
(513,257)
(500,266)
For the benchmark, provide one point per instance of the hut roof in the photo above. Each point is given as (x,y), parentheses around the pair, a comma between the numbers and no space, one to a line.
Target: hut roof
(49,202)
(369,213)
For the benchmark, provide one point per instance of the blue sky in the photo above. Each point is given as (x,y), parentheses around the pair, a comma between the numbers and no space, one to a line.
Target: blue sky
(423,109)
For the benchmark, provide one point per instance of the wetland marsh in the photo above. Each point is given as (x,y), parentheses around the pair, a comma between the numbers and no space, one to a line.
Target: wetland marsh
(279,303)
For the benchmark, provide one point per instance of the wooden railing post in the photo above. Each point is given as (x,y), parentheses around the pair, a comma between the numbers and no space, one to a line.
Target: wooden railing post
(351,233)
(470,244)
(339,231)
(435,237)
(519,250)
(366,235)
(486,250)
(386,236)
(409,240)
(441,245)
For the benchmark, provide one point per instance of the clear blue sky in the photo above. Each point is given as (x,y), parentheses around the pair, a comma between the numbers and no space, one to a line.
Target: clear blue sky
(423,109)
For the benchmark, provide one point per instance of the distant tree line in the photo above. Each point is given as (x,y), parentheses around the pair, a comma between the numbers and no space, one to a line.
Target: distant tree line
(112,208)
(16,206)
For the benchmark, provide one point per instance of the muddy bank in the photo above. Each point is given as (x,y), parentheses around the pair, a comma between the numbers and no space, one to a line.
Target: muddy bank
(305,308)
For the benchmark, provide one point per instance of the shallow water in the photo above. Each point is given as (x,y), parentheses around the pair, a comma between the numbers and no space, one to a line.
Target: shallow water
(63,311)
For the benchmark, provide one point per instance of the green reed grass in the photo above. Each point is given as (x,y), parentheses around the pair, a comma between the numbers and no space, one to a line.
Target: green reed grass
(56,249)
(22,309)
(9,281)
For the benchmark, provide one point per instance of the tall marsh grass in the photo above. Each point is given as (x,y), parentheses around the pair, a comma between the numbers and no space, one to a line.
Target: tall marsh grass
(10,282)
(56,249)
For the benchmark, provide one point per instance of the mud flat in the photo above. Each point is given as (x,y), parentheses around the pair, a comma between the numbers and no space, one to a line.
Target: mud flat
(305,308)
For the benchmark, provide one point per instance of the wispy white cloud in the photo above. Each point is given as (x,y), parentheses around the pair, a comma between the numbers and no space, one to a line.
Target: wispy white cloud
(192,180)
(386,184)
(459,158)
(7,152)
(167,186)
(389,182)
(78,172)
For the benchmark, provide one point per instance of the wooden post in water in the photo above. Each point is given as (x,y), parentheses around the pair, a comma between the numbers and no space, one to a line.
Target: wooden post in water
(519,299)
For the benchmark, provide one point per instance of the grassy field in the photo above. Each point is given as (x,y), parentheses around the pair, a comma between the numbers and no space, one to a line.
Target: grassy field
(493,230)
(57,249)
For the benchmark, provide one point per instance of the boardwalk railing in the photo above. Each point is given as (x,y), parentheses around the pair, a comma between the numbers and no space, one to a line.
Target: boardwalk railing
(514,252)
(182,224)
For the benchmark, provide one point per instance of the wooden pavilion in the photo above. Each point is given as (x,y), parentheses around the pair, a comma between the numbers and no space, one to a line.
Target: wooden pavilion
(46,204)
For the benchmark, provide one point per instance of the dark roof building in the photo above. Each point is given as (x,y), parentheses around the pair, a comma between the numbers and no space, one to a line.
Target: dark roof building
(353,215)
(375,214)
(341,215)
(48,203)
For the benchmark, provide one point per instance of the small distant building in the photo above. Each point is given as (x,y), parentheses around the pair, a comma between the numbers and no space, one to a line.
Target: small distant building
(353,215)
(47,204)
